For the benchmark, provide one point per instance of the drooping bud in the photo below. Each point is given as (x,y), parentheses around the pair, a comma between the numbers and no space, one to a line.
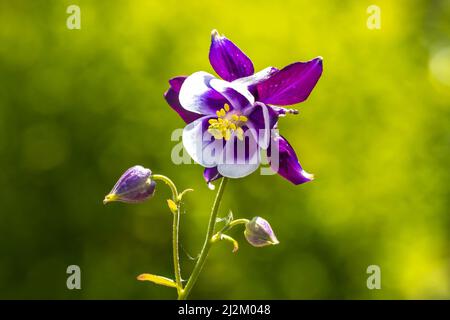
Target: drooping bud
(135,185)
(259,233)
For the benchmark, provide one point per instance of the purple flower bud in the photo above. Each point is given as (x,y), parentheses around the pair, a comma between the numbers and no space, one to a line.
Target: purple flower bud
(135,185)
(259,233)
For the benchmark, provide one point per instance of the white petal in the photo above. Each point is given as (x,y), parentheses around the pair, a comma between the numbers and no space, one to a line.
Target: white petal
(195,91)
(236,171)
(255,78)
(197,145)
(237,94)
(237,166)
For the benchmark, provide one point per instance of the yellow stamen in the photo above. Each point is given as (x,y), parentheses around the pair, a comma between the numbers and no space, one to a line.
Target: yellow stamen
(216,133)
(240,133)
(226,124)
(227,134)
(221,113)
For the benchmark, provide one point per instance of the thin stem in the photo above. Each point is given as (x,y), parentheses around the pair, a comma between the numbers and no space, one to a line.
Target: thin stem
(207,244)
(232,224)
(175,228)
(169,182)
(176,255)
(238,221)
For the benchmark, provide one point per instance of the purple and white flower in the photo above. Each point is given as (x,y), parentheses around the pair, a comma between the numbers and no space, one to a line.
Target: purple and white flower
(230,120)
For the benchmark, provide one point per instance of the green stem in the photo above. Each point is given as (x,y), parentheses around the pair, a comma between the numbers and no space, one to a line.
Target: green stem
(170,183)
(232,224)
(175,228)
(176,255)
(236,222)
(207,244)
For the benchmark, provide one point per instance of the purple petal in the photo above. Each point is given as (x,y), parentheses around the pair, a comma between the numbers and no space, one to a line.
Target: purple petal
(285,161)
(196,94)
(139,195)
(237,95)
(262,119)
(177,82)
(172,98)
(133,186)
(240,157)
(211,174)
(292,84)
(130,179)
(201,146)
(227,59)
(250,82)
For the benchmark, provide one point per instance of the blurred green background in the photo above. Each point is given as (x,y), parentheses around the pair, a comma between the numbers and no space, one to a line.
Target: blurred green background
(78,107)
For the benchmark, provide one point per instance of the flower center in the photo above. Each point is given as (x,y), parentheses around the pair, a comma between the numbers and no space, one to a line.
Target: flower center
(226,123)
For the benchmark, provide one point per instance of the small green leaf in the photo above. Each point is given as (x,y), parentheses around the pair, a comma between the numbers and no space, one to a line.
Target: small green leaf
(172,206)
(157,279)
(229,217)
(226,219)
(220,236)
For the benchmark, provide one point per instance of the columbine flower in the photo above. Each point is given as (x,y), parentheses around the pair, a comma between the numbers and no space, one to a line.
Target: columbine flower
(135,185)
(229,121)
(259,233)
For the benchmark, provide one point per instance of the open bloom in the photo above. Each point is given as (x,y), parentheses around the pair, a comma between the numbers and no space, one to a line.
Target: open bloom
(230,120)
(135,185)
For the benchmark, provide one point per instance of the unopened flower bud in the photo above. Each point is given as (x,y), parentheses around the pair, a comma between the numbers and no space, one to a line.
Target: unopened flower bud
(135,185)
(259,233)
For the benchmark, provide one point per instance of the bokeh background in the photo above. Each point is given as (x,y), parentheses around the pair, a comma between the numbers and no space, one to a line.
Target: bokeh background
(78,107)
